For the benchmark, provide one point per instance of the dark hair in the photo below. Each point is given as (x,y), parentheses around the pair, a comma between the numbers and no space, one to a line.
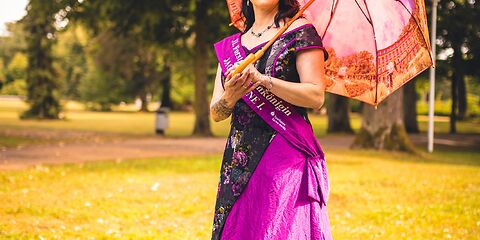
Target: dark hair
(286,8)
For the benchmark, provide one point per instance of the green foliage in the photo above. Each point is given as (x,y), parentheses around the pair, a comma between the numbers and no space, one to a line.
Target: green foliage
(156,22)
(3,80)
(462,32)
(12,78)
(12,57)
(71,56)
(125,63)
(99,90)
(138,39)
(14,42)
(442,107)
(17,67)
(443,96)
(171,31)
(43,85)
(182,90)
(17,87)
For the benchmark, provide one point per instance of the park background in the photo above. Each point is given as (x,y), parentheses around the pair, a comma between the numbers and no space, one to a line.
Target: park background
(80,84)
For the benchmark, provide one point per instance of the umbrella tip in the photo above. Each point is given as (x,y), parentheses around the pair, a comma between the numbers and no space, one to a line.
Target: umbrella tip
(230,24)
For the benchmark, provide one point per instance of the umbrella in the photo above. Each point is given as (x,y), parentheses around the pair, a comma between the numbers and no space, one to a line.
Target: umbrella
(374,46)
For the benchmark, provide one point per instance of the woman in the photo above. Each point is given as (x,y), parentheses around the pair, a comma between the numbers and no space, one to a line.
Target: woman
(273,180)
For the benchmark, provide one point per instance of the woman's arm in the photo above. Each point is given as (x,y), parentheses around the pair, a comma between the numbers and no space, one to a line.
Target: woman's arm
(310,92)
(220,108)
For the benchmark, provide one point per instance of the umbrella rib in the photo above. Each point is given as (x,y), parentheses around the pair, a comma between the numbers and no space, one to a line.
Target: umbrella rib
(376,52)
(332,13)
(368,19)
(419,29)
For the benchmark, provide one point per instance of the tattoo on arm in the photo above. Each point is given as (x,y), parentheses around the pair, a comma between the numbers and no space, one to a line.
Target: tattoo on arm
(222,109)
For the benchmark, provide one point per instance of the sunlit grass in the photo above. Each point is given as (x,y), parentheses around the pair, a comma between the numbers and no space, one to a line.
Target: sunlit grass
(144,198)
(374,196)
(127,121)
(124,120)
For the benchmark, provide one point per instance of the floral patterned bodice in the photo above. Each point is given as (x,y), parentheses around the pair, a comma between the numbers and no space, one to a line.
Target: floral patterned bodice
(249,134)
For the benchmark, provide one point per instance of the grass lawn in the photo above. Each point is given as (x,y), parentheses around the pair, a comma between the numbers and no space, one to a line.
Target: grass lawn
(127,121)
(375,195)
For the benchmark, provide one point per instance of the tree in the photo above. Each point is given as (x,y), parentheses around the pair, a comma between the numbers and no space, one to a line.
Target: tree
(13,42)
(461,36)
(70,52)
(43,84)
(11,45)
(410,107)
(99,90)
(145,75)
(2,74)
(166,76)
(16,68)
(383,128)
(166,24)
(338,112)
(201,63)
(121,68)
(12,79)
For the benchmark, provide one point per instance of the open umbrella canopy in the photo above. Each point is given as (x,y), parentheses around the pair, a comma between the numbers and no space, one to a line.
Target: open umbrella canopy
(374,46)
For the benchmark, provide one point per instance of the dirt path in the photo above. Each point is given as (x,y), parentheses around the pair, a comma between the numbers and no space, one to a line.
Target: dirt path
(145,147)
(15,158)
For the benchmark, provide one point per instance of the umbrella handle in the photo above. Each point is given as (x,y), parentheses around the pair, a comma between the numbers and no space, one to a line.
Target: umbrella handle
(251,58)
(254,57)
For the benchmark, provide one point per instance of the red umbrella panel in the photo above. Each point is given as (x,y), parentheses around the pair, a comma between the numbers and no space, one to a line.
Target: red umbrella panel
(374,46)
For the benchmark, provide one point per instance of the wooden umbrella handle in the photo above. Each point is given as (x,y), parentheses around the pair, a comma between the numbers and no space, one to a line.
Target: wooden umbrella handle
(252,57)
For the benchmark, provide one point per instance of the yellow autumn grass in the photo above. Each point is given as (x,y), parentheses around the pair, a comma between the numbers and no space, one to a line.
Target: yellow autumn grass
(375,195)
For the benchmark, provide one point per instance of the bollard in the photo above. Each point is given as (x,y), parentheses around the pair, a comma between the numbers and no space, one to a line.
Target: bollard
(161,121)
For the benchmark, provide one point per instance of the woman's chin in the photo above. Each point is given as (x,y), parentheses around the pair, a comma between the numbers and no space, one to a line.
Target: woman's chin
(264,4)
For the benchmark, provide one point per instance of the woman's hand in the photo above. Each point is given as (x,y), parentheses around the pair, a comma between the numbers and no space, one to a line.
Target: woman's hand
(235,87)
(259,77)
(240,84)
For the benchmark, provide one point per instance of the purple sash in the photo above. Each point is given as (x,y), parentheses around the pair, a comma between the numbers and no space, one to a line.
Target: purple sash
(282,117)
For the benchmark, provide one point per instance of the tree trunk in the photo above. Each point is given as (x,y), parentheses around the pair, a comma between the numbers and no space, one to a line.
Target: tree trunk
(453,112)
(462,98)
(143,102)
(410,107)
(338,114)
(43,84)
(166,101)
(201,64)
(140,80)
(457,76)
(383,128)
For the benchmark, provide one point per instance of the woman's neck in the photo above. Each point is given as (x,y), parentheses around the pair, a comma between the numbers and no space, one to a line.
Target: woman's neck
(264,17)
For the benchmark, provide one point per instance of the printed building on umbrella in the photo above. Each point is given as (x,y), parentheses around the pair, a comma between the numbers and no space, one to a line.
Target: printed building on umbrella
(372,76)
(397,56)
(398,63)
